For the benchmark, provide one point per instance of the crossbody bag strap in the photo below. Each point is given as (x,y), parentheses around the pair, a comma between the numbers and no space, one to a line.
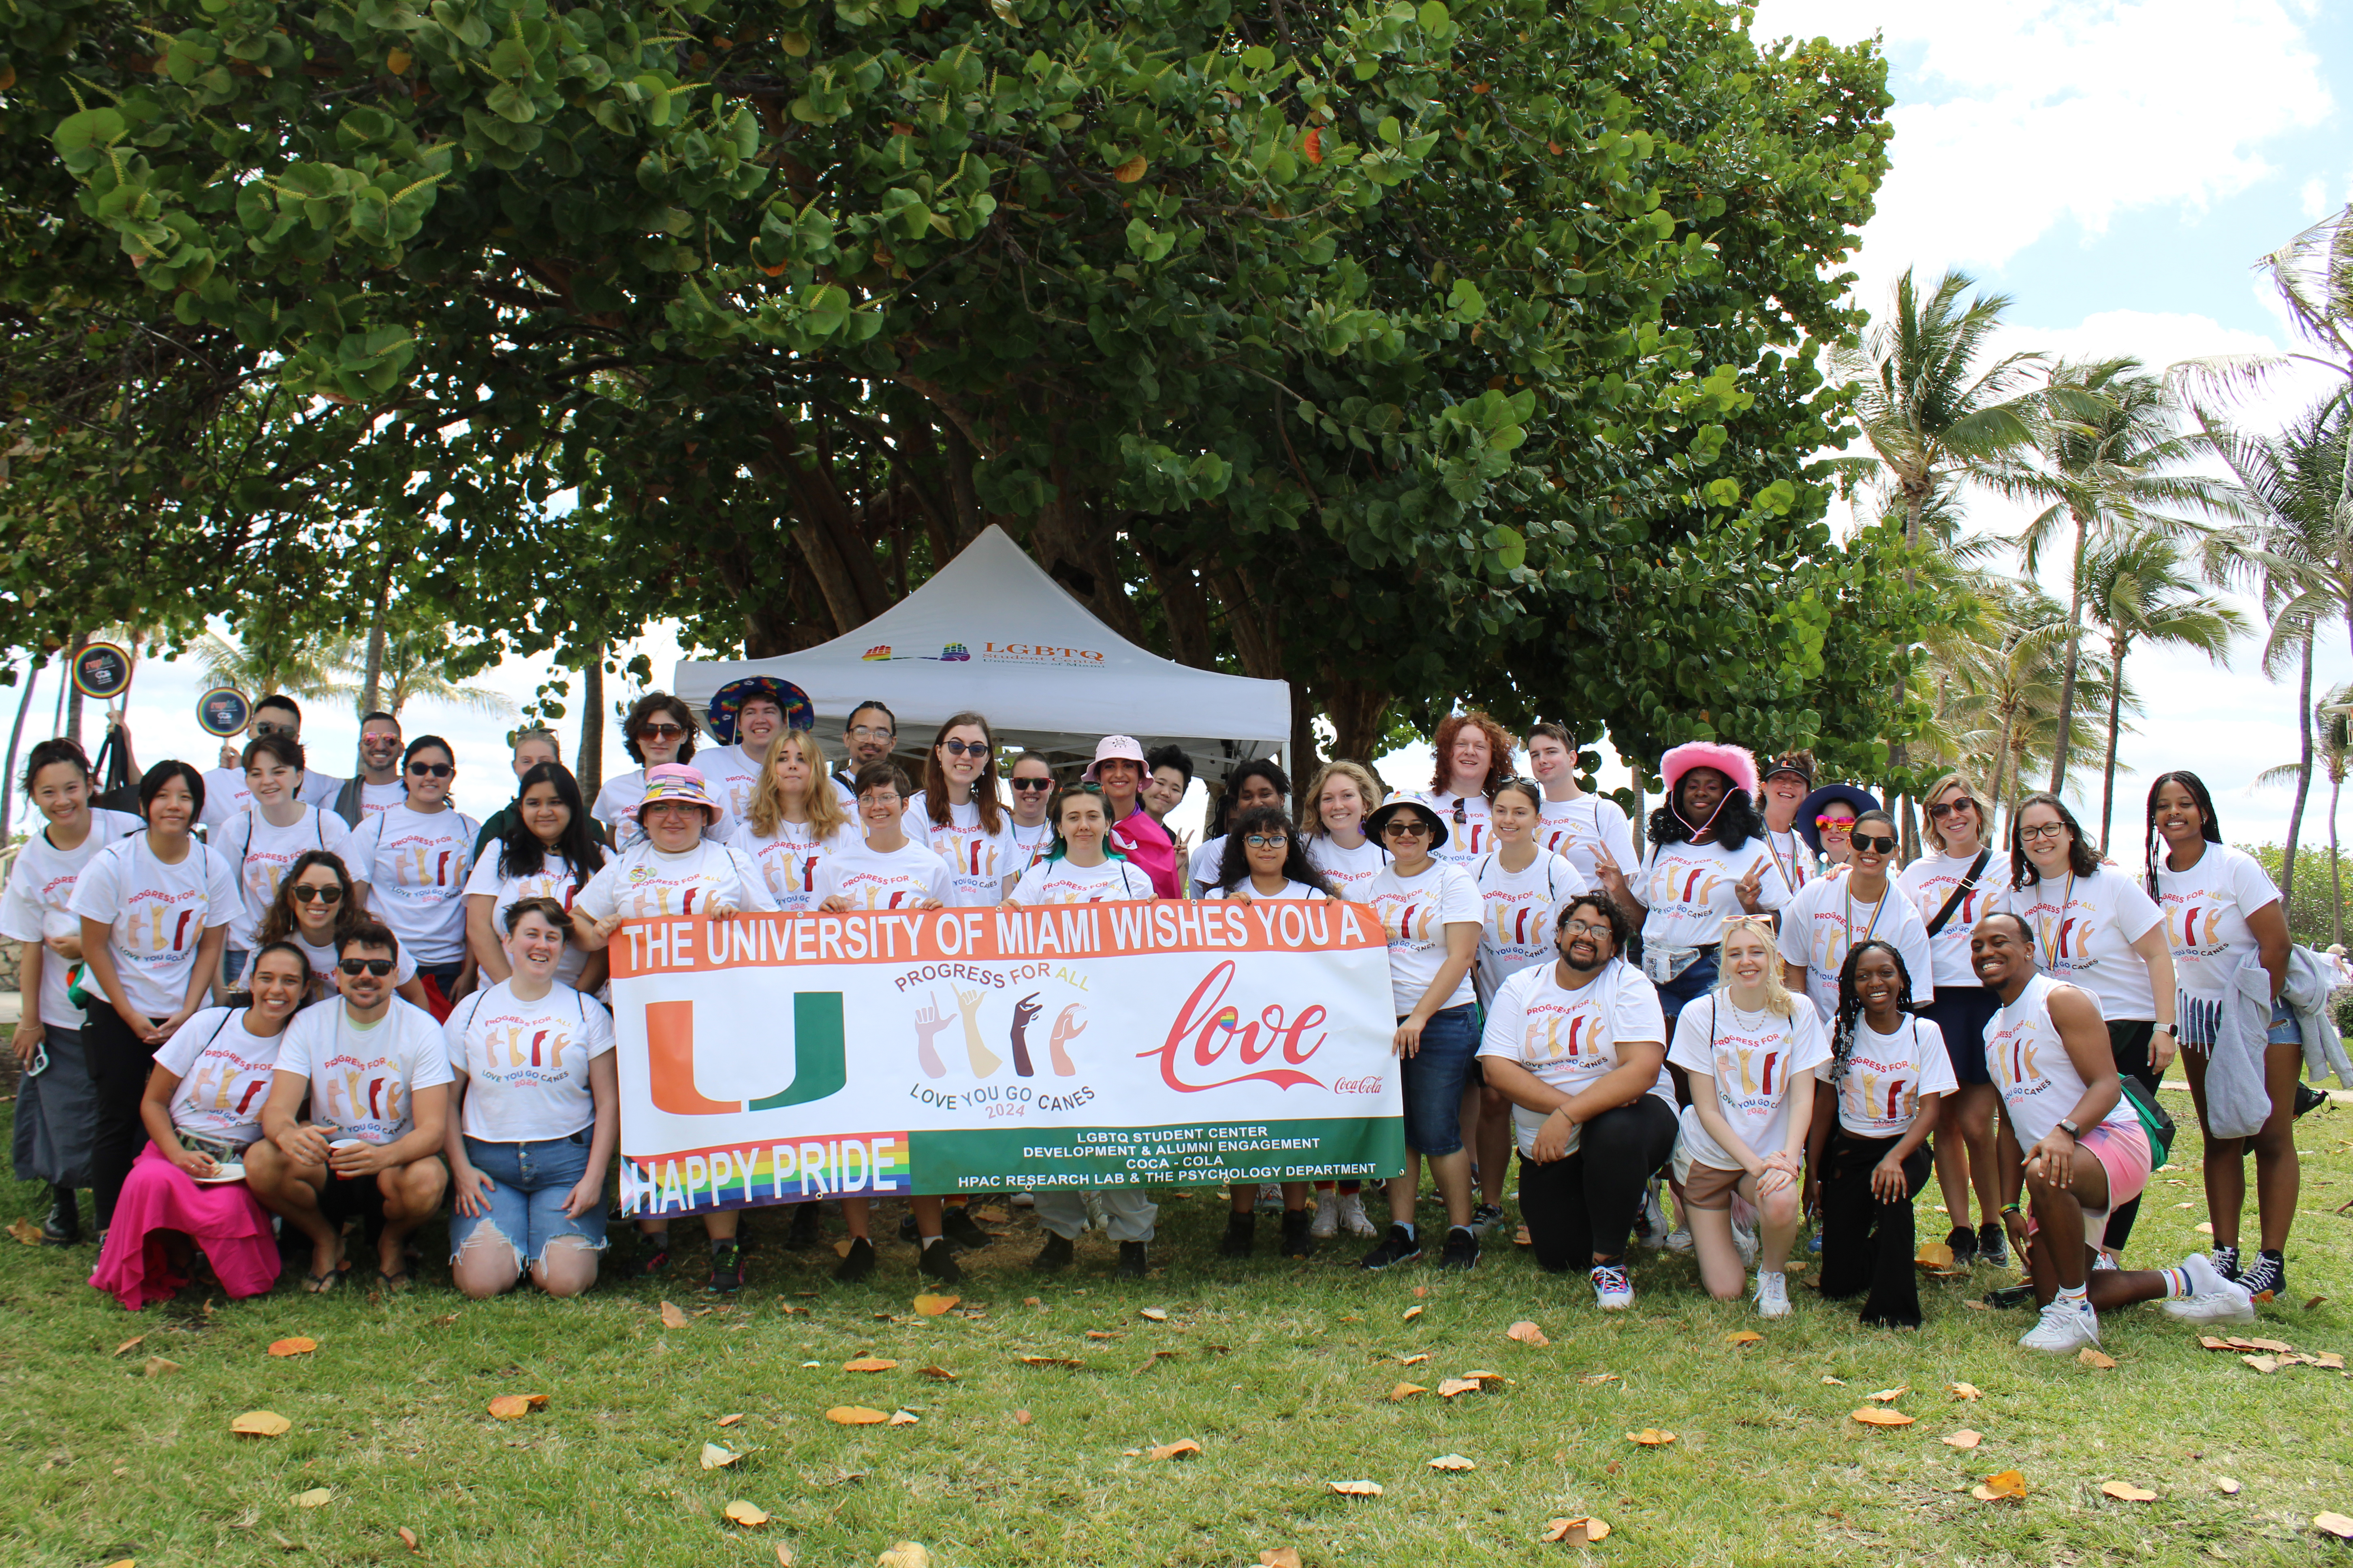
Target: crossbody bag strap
(1968,884)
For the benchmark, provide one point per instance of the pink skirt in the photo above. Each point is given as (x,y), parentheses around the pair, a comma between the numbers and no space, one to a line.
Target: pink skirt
(225,1222)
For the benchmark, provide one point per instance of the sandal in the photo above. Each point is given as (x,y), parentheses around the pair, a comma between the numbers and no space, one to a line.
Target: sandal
(393,1284)
(321,1284)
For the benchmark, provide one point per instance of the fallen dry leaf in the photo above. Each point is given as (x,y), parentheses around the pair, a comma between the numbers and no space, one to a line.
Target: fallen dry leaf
(317,1497)
(1964,1391)
(1406,1391)
(1527,1333)
(1888,1395)
(731,1420)
(1357,1489)
(1964,1438)
(940,1373)
(2208,1342)
(507,1406)
(749,1515)
(905,1554)
(1978,1306)
(2125,1491)
(2276,1347)
(1452,1462)
(1484,1376)
(1934,1255)
(1419,1292)
(158,1367)
(300,1344)
(1021,1418)
(2206,1227)
(1744,1337)
(1595,1379)
(1153,1314)
(2226,1486)
(444,1319)
(715,1457)
(26,1231)
(407,1538)
(903,1418)
(1650,1438)
(672,1318)
(784,1555)
(935,1306)
(2316,1301)
(2002,1486)
(2336,1524)
(1177,1451)
(1872,1415)
(2098,1359)
(2330,1360)
(856,1416)
(2262,1363)
(1575,1531)
(132,1343)
(1047,1361)
(1099,1334)
(1411,1314)
(262,1423)
(1278,1557)
(869,1363)
(1454,1385)
(1414,1360)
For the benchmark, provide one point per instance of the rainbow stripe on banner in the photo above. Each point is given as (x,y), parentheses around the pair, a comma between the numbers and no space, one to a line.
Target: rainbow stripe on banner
(698,1181)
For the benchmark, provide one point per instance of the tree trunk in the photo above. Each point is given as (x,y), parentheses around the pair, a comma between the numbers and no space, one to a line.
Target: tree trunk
(372,673)
(1300,758)
(2001,762)
(73,692)
(2335,873)
(2303,780)
(1359,713)
(2074,653)
(16,734)
(2117,648)
(591,756)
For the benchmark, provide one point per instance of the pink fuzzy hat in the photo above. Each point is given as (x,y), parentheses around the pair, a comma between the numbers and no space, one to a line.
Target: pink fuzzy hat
(1734,762)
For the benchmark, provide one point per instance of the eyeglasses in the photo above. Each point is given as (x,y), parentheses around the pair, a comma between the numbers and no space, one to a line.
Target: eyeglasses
(1587,928)
(660,731)
(1399,829)
(1840,823)
(667,807)
(1267,840)
(379,967)
(871,732)
(2048,830)
(327,895)
(430,770)
(1025,785)
(1938,813)
(264,727)
(1874,844)
(964,748)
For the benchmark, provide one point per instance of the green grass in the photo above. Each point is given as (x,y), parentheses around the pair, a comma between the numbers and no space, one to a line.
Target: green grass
(1280,1371)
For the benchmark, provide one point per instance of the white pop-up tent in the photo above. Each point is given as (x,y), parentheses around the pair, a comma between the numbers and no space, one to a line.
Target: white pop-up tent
(991,633)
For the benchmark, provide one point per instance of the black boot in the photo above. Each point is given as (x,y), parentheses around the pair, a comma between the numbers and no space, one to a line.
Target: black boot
(962,1229)
(63,1225)
(858,1263)
(1133,1262)
(1242,1232)
(1297,1242)
(937,1262)
(1055,1253)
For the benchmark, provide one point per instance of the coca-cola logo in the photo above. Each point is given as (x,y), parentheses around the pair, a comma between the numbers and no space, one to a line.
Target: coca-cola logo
(1209,1037)
(1356,1085)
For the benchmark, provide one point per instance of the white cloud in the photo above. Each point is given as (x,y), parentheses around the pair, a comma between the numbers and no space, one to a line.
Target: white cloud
(2314,197)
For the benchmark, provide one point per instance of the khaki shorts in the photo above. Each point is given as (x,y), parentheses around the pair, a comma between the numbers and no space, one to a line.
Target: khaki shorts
(1705,1187)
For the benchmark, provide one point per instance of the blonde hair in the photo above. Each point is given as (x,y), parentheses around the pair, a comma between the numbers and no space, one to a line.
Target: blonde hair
(825,814)
(1777,993)
(1311,822)
(1937,786)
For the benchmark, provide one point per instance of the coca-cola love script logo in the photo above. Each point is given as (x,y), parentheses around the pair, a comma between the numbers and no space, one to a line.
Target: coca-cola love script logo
(1209,1040)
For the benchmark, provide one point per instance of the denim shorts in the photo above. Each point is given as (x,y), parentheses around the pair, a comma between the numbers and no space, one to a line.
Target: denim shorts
(1434,1079)
(529,1183)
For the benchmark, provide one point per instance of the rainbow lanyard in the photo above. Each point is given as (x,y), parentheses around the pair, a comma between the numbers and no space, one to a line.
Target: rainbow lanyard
(2057,922)
(1790,878)
(1876,911)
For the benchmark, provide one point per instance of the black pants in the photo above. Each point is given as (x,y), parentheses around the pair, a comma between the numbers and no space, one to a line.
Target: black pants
(119,1063)
(2129,1042)
(1867,1244)
(1584,1206)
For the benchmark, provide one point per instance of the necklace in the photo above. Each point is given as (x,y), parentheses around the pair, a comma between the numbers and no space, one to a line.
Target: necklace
(1791,877)
(2057,921)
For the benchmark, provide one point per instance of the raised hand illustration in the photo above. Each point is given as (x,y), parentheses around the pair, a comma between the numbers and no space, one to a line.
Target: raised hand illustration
(928,1024)
(984,1061)
(1068,1026)
(1023,1011)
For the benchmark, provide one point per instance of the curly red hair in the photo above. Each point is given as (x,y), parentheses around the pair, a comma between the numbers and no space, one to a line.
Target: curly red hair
(1501,748)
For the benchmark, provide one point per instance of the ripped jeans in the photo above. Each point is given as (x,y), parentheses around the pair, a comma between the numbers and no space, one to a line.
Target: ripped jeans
(529,1183)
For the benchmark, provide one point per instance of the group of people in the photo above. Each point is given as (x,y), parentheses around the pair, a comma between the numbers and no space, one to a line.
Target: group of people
(345,1004)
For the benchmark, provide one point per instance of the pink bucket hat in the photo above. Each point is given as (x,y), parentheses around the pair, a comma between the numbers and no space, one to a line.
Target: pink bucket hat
(1111,747)
(676,781)
(1736,763)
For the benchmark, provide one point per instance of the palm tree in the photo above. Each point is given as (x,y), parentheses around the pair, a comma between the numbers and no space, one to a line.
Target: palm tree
(302,669)
(2333,746)
(2111,437)
(2135,590)
(410,668)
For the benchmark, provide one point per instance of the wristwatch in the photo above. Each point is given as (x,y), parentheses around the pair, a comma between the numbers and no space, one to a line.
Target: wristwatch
(2070,1129)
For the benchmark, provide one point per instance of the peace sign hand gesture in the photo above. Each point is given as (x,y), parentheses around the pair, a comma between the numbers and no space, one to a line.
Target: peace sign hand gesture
(1750,887)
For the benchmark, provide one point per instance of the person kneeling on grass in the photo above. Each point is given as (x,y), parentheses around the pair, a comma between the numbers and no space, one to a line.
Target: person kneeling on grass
(377,1074)
(1750,1048)
(1887,1077)
(536,1115)
(2085,1151)
(203,1110)
(1578,1047)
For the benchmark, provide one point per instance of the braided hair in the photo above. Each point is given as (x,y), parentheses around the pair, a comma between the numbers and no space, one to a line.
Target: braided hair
(1849,1005)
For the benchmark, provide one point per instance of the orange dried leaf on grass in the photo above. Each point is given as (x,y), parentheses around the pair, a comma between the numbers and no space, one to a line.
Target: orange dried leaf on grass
(409,1538)
(1889,1395)
(1873,1415)
(2226,1486)
(1964,1438)
(1153,1314)
(1406,1391)
(1021,1418)
(1414,1360)
(1934,1255)
(2002,1486)
(857,1415)
(300,1344)
(1357,1489)
(731,1420)
(1411,1314)
(1650,1438)
(1177,1451)
(903,1418)
(2334,1524)
(751,1516)
(1575,1531)
(260,1424)
(940,1373)
(2125,1491)
(508,1406)
(1454,1385)
(1744,1337)
(715,1457)
(935,1306)
(2097,1360)
(869,1363)
(1453,1462)
(1964,1391)
(671,1318)
(1278,1557)
(1527,1333)
(132,1343)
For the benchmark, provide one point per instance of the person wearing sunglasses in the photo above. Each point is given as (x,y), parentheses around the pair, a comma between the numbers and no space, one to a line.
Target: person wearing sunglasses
(379,785)
(263,840)
(1830,914)
(375,1074)
(659,730)
(316,906)
(225,787)
(1429,911)
(2096,929)
(1140,839)
(1256,783)
(1788,779)
(959,814)
(55,1100)
(1030,778)
(412,863)
(202,1109)
(1473,759)
(867,737)
(1574,822)
(549,850)
(1950,886)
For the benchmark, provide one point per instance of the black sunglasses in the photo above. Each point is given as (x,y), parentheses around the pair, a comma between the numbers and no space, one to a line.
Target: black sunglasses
(434,769)
(379,967)
(1398,827)
(964,748)
(1872,844)
(1951,806)
(330,895)
(1027,784)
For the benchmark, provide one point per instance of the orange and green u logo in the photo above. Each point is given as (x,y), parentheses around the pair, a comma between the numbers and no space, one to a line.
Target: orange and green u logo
(821,1057)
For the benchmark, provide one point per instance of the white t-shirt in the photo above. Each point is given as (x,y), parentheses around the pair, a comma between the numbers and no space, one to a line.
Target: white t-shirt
(620,795)
(415,867)
(225,794)
(1520,909)
(1690,890)
(2036,1077)
(555,878)
(261,855)
(2089,942)
(907,878)
(526,1063)
(223,1071)
(1887,1075)
(1753,1057)
(1928,882)
(1824,920)
(362,1076)
(160,914)
(1202,871)
(1415,912)
(1350,871)
(1467,839)
(2205,910)
(788,858)
(40,884)
(327,979)
(977,861)
(732,775)
(642,881)
(1026,846)
(377,798)
(1793,862)
(1299,891)
(1572,829)
(1571,1039)
(1060,882)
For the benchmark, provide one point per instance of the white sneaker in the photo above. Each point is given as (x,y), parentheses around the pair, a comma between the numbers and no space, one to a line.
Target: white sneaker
(1653,1221)
(1677,1241)
(1352,1218)
(1745,1241)
(1613,1288)
(1772,1295)
(2211,1298)
(2065,1326)
(1326,1224)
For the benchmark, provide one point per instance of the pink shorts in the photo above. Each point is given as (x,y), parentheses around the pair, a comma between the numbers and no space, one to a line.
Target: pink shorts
(2122,1150)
